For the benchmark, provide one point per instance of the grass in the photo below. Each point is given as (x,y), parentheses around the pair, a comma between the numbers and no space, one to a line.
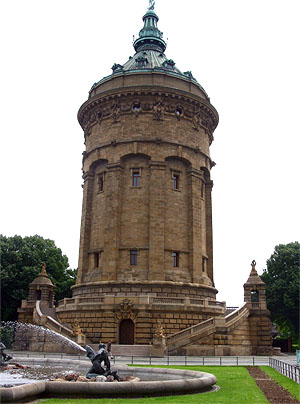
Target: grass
(292,387)
(236,387)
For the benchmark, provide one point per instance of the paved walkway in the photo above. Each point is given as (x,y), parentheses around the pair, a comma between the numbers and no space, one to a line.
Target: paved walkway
(170,360)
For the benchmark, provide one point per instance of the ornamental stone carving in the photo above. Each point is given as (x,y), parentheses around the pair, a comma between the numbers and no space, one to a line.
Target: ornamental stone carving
(207,124)
(196,120)
(125,311)
(99,116)
(158,110)
(116,112)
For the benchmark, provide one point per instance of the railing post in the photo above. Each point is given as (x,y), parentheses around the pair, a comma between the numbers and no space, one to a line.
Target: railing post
(237,361)
(168,360)
(132,359)
(220,360)
(253,361)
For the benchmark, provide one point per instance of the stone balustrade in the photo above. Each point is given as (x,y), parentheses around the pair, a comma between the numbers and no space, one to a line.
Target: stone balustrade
(144,300)
(211,323)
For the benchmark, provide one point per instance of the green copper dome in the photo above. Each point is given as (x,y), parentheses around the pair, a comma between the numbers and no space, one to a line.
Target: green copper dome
(150,56)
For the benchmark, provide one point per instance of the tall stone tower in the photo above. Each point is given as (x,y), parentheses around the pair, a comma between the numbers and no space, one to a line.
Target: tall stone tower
(146,250)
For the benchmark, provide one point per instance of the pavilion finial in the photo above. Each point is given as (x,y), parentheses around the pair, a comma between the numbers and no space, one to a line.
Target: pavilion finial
(253,269)
(151,4)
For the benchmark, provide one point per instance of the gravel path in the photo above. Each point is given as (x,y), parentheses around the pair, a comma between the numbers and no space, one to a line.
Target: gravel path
(274,393)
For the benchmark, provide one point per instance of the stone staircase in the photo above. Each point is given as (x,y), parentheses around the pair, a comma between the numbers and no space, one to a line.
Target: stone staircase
(127,350)
(46,317)
(196,332)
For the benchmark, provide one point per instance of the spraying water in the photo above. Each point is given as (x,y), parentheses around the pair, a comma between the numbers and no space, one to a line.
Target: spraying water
(24,336)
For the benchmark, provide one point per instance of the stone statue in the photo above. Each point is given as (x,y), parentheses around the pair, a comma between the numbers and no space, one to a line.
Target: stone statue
(151,4)
(97,358)
(43,265)
(158,109)
(160,332)
(80,337)
(4,357)
(77,329)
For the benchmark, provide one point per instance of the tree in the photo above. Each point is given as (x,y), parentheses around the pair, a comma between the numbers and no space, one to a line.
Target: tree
(20,263)
(282,288)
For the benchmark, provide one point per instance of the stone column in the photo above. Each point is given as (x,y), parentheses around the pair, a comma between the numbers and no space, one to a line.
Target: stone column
(195,224)
(85,232)
(209,232)
(157,206)
(113,181)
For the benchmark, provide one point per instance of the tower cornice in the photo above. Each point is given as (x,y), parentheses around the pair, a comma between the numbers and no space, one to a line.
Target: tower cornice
(120,101)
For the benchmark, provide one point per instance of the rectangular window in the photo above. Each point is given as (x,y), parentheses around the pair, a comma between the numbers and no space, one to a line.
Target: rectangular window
(97,259)
(133,257)
(175,181)
(175,256)
(136,178)
(101,182)
(204,263)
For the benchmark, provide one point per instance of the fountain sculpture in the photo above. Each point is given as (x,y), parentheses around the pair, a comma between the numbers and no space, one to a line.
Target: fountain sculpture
(4,357)
(97,359)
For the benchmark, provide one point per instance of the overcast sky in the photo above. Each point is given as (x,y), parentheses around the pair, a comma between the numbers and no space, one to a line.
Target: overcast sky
(245,53)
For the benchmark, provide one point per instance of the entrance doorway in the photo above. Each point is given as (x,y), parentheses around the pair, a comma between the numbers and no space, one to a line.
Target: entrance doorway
(126,332)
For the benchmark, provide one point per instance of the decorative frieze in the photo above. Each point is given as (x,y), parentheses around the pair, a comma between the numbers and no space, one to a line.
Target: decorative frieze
(200,115)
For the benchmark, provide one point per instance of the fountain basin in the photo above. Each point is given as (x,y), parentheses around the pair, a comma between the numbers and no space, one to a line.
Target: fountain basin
(163,381)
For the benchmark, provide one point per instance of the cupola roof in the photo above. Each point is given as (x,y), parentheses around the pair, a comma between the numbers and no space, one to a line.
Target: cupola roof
(150,37)
(42,278)
(254,278)
(150,56)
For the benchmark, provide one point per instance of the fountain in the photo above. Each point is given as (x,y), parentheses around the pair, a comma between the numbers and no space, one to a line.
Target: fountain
(48,377)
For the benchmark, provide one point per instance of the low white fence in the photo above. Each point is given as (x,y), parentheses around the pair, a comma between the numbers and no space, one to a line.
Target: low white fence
(291,371)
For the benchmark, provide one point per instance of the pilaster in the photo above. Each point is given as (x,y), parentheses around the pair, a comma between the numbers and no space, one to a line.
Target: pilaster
(195,224)
(209,231)
(85,231)
(157,220)
(112,221)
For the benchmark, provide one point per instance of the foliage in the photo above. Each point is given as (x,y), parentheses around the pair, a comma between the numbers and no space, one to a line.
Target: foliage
(6,334)
(282,288)
(20,263)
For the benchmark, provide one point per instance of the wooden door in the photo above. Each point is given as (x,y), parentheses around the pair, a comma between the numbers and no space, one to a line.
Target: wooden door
(126,332)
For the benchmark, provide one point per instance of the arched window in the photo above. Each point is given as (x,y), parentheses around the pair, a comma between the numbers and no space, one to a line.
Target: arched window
(254,296)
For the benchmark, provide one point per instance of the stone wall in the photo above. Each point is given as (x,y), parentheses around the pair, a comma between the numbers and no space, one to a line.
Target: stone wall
(124,133)
(101,317)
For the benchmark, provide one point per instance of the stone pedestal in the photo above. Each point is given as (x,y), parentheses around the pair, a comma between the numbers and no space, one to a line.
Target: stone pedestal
(158,347)
(81,340)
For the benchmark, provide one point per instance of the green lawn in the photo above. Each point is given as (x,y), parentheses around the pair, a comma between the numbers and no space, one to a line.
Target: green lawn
(236,387)
(292,387)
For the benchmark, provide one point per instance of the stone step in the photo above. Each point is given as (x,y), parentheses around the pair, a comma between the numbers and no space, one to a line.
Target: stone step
(127,350)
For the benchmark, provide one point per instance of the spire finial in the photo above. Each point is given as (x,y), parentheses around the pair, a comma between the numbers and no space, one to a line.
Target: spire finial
(253,270)
(150,37)
(151,4)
